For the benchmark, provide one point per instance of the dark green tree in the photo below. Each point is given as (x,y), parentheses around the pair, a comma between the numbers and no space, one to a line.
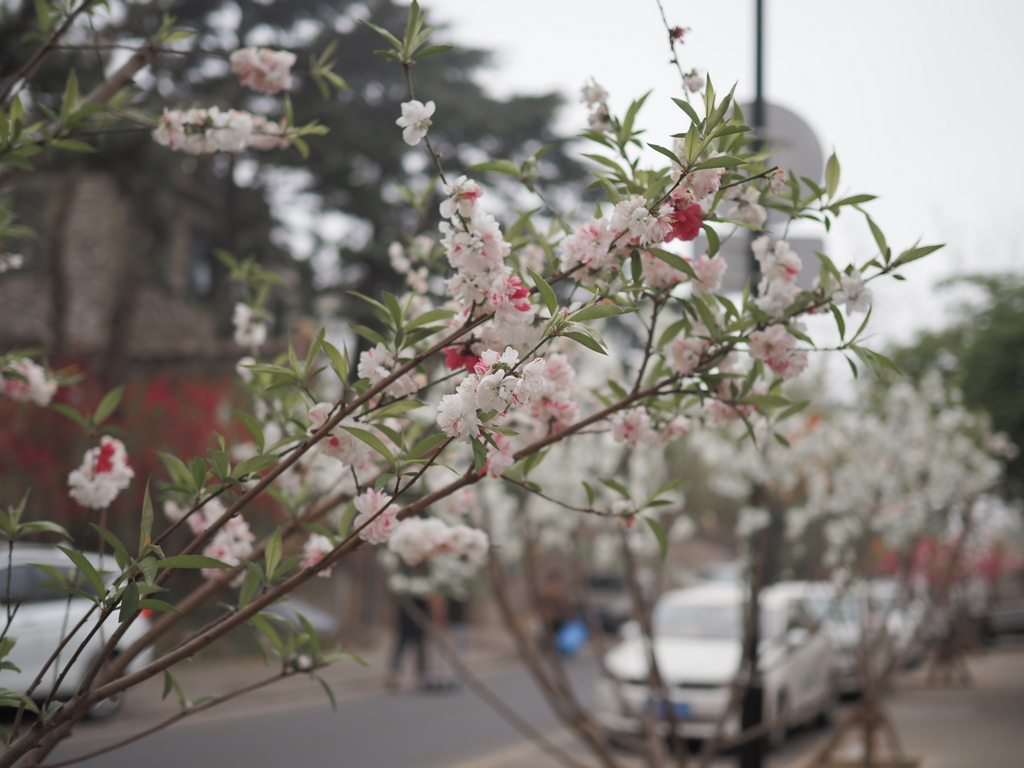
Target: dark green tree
(982,354)
(355,169)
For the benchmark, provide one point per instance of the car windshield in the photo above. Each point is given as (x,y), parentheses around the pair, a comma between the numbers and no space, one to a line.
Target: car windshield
(842,610)
(708,622)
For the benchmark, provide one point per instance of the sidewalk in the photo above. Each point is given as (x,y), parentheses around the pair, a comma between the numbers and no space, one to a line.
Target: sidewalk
(965,727)
(958,727)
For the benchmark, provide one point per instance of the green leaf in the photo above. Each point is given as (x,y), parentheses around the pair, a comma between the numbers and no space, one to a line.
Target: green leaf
(82,563)
(676,262)
(913,254)
(120,553)
(765,401)
(659,534)
(832,175)
(590,493)
(714,243)
(71,413)
(430,50)
(272,553)
(585,340)
(328,691)
(253,426)
(191,561)
(44,526)
(129,601)
(146,525)
(479,455)
(426,444)
(616,486)
(254,464)
(428,317)
(666,152)
(722,161)
(546,292)
(840,323)
(171,684)
(338,360)
(108,404)
(688,109)
(367,333)
(595,311)
(371,440)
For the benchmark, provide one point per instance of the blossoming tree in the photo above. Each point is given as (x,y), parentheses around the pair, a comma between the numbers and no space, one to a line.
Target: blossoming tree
(466,380)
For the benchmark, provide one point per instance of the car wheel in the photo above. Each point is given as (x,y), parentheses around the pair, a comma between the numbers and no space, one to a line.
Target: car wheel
(106,708)
(830,708)
(777,734)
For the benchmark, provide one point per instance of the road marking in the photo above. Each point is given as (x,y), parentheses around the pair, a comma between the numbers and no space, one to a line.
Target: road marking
(515,753)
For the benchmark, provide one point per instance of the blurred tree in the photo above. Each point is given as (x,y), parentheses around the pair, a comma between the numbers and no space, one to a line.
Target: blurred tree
(327,223)
(983,355)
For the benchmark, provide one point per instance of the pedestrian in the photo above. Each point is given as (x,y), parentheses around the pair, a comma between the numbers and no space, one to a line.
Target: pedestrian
(409,633)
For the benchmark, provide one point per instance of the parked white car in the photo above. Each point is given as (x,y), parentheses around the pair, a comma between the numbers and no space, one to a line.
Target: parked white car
(892,624)
(43,617)
(698,645)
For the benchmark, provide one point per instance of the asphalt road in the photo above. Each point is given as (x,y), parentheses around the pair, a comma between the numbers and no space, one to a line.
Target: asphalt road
(370,730)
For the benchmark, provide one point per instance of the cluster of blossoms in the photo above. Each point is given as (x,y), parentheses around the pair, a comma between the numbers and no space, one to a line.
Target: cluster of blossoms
(552,407)
(853,293)
(483,397)
(263,69)
(377,364)
(104,473)
(483,282)
(635,427)
(11,261)
(409,262)
(378,514)
(419,538)
(780,265)
(415,121)
(250,330)
(596,99)
(27,382)
(231,544)
(339,444)
(205,131)
(774,347)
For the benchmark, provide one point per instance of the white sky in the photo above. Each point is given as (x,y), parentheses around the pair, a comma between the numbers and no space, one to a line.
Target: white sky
(922,99)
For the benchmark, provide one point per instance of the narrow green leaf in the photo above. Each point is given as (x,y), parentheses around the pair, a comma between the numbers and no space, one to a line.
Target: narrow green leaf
(832,175)
(479,455)
(191,561)
(108,404)
(129,601)
(88,570)
(659,534)
(586,341)
(371,440)
(674,261)
(546,292)
(253,426)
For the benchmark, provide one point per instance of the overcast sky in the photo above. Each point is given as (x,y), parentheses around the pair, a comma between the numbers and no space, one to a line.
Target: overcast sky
(922,99)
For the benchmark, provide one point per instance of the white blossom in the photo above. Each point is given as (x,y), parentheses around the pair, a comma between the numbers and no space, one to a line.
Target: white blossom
(415,120)
(103,474)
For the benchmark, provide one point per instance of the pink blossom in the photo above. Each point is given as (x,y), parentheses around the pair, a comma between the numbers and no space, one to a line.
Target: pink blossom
(339,443)
(631,427)
(709,272)
(501,459)
(316,548)
(774,347)
(463,195)
(684,355)
(377,364)
(511,301)
(369,504)
(590,246)
(263,69)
